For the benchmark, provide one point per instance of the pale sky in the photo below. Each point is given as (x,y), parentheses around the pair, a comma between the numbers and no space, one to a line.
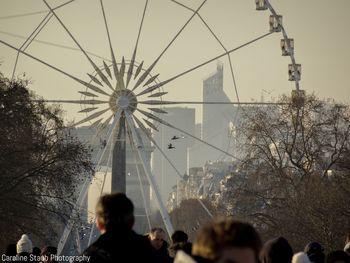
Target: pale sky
(319,28)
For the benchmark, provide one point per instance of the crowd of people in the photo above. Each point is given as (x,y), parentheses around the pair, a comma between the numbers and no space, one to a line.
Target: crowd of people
(221,241)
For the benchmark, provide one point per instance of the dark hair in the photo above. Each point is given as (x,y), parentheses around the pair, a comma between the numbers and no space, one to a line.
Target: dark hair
(49,250)
(212,238)
(277,250)
(338,255)
(179,236)
(314,251)
(156,229)
(11,250)
(115,211)
(36,251)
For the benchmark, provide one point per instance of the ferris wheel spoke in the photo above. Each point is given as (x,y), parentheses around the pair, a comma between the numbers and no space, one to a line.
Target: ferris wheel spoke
(47,18)
(228,54)
(132,62)
(120,80)
(134,148)
(36,31)
(34,13)
(88,110)
(164,102)
(107,69)
(158,94)
(102,186)
(158,110)
(184,132)
(218,40)
(88,85)
(154,87)
(150,124)
(233,77)
(90,102)
(30,39)
(150,115)
(155,118)
(138,70)
(100,127)
(96,123)
(88,94)
(91,117)
(84,188)
(185,6)
(96,68)
(144,130)
(53,44)
(150,177)
(146,73)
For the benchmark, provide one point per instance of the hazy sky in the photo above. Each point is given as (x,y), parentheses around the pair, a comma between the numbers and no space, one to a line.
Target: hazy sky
(319,28)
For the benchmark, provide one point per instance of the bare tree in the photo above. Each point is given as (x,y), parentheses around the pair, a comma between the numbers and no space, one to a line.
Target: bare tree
(41,166)
(294,178)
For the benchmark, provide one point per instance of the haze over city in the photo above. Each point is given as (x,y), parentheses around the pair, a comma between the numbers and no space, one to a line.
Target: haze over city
(319,29)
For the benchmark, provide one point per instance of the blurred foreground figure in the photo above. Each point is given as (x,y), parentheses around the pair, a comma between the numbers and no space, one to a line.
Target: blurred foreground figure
(315,252)
(118,242)
(157,240)
(300,257)
(277,250)
(224,241)
(179,241)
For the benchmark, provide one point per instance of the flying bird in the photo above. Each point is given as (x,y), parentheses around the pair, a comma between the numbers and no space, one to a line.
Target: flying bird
(170,146)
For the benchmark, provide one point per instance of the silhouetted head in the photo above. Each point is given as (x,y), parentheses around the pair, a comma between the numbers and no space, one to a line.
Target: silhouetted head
(227,240)
(179,236)
(114,212)
(338,256)
(314,251)
(277,250)
(157,237)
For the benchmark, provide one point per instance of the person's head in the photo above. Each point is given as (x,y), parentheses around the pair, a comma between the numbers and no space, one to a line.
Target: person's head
(338,256)
(24,245)
(347,244)
(179,236)
(227,240)
(300,257)
(347,239)
(36,251)
(47,252)
(114,211)
(314,251)
(347,248)
(157,237)
(276,250)
(11,250)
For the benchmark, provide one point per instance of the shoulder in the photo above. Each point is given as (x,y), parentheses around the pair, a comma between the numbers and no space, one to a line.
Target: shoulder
(97,252)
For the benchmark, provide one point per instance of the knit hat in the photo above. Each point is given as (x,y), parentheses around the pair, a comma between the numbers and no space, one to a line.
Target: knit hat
(300,257)
(24,245)
(347,248)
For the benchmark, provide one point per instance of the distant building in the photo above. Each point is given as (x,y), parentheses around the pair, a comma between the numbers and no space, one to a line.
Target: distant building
(165,174)
(216,119)
(201,182)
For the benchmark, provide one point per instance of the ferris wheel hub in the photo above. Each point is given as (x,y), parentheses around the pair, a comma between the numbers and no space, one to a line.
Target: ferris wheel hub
(123,99)
(123,102)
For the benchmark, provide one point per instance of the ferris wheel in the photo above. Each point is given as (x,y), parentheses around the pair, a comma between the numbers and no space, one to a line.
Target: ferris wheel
(120,58)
